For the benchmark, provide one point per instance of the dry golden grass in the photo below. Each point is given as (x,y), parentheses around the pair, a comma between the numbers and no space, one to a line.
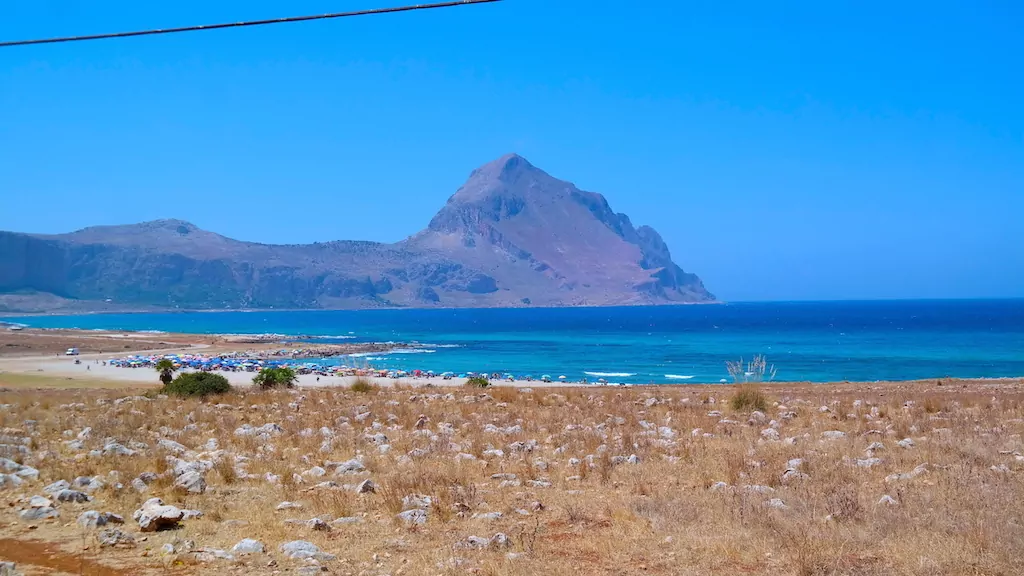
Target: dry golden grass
(661,513)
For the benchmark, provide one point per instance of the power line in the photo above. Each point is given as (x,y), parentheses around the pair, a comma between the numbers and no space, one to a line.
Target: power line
(244,24)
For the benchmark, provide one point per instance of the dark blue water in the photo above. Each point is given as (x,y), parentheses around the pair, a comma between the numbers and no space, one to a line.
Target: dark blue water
(807,341)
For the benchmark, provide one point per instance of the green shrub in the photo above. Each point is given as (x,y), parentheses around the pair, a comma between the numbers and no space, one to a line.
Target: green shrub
(199,384)
(275,378)
(749,397)
(478,382)
(363,386)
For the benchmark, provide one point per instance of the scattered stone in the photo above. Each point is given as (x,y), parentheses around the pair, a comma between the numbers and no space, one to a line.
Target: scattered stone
(413,517)
(39,502)
(349,467)
(833,435)
(921,469)
(154,515)
(366,487)
(193,482)
(906,443)
(416,501)
(288,506)
(8,569)
(301,550)
(112,537)
(887,500)
(770,434)
(793,475)
(34,514)
(248,546)
(57,487)
(487,516)
(867,462)
(211,554)
(776,503)
(94,519)
(73,496)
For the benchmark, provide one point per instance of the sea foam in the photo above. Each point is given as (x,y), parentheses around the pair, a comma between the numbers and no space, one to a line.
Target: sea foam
(677,377)
(610,374)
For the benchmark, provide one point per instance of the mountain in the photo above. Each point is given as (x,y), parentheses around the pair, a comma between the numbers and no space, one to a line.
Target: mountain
(511,236)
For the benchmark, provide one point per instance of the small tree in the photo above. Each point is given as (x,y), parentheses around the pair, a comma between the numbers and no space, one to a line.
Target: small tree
(166,368)
(281,377)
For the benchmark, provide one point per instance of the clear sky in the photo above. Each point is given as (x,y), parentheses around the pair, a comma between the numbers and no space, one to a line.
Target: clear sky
(785,150)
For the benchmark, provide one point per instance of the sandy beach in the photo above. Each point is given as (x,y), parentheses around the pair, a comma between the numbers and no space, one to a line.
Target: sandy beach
(65,367)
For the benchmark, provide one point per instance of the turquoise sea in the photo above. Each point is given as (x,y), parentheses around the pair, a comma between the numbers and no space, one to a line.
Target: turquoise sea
(807,341)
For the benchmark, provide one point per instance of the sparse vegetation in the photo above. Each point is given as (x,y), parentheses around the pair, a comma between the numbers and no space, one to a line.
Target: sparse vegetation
(707,492)
(363,386)
(749,397)
(279,377)
(166,369)
(757,370)
(478,382)
(197,384)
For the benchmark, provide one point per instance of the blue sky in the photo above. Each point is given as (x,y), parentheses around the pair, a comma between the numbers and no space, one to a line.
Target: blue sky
(794,150)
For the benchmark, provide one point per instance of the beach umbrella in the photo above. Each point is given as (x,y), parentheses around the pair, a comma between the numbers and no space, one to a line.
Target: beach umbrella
(562,378)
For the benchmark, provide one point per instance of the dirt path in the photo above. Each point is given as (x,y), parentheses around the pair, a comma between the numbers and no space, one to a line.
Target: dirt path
(35,557)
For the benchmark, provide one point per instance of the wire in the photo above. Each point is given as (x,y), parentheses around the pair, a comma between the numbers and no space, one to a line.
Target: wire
(244,24)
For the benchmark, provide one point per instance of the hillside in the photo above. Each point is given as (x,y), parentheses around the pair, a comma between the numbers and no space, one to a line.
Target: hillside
(511,236)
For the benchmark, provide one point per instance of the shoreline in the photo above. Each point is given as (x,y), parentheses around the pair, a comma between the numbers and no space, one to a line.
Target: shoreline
(55,364)
(63,368)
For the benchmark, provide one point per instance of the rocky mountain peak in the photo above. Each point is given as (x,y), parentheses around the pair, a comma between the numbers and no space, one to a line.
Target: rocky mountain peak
(512,235)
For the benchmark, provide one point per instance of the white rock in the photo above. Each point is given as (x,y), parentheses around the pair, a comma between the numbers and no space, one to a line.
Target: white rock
(94,519)
(770,434)
(57,487)
(868,462)
(906,443)
(154,515)
(33,514)
(72,496)
(413,517)
(416,501)
(887,500)
(301,550)
(352,466)
(192,482)
(833,434)
(248,546)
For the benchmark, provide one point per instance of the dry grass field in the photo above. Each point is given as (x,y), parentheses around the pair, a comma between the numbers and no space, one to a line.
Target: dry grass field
(922,479)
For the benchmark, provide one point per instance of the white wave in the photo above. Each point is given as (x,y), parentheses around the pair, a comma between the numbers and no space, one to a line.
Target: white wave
(346,337)
(440,345)
(610,374)
(389,352)
(677,377)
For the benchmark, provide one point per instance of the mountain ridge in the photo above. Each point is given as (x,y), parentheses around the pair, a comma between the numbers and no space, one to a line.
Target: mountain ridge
(512,235)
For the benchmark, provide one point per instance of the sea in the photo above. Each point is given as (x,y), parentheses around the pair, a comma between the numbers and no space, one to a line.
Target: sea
(805,341)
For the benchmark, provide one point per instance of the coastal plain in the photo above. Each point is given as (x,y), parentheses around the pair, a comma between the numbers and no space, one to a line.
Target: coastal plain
(914,478)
